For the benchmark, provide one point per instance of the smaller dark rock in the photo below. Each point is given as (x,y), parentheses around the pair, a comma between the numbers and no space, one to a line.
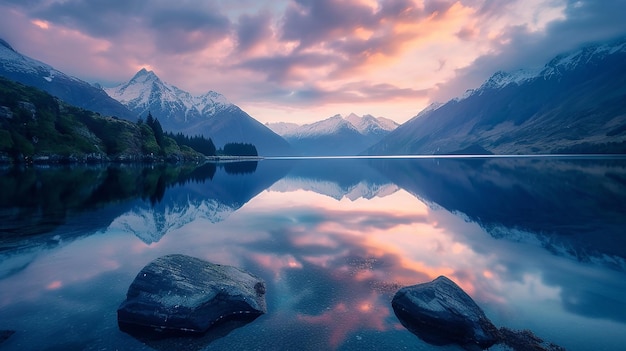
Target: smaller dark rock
(441,313)
(182,294)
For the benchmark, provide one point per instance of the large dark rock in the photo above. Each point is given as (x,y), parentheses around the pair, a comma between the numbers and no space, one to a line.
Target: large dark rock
(441,313)
(178,293)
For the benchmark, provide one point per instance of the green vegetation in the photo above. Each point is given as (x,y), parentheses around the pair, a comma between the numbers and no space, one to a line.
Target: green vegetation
(239,149)
(37,127)
(199,143)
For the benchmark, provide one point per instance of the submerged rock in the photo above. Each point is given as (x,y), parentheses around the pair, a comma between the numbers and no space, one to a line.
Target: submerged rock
(441,313)
(183,294)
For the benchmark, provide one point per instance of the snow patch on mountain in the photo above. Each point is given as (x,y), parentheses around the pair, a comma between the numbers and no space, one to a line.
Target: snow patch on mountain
(365,125)
(369,124)
(13,61)
(325,127)
(573,59)
(145,88)
(555,67)
(282,128)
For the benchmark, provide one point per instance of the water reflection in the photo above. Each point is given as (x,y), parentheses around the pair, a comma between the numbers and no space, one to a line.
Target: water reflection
(335,239)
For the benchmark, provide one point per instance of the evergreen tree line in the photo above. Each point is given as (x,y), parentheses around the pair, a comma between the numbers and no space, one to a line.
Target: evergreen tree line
(199,143)
(239,149)
(155,125)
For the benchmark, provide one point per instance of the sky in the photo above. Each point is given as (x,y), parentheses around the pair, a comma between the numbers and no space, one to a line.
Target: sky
(301,61)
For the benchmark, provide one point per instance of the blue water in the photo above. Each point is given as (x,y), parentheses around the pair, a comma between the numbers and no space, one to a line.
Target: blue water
(539,244)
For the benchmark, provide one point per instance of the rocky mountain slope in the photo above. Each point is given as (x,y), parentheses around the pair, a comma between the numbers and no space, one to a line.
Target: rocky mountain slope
(210,114)
(72,90)
(335,135)
(574,104)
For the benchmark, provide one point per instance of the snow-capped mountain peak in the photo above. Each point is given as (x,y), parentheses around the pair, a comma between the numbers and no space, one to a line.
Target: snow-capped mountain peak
(573,59)
(328,126)
(335,135)
(556,67)
(146,90)
(369,124)
(501,79)
(365,125)
(283,128)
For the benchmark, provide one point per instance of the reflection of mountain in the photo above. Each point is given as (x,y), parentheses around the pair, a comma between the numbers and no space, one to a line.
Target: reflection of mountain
(232,185)
(337,178)
(574,207)
(363,189)
(42,208)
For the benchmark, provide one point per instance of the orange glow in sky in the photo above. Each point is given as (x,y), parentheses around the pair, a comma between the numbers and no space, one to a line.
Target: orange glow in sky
(300,62)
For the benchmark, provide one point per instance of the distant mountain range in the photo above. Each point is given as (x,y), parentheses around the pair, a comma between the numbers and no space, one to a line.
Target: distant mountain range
(210,114)
(335,135)
(72,90)
(573,104)
(576,103)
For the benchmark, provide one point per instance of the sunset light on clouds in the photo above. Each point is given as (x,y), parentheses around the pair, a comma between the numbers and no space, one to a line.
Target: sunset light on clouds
(305,60)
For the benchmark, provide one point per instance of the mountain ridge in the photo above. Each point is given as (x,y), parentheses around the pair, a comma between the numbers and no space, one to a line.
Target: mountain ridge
(336,135)
(209,114)
(573,104)
(74,91)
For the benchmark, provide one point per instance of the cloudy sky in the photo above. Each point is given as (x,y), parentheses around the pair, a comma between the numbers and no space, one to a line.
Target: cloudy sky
(306,60)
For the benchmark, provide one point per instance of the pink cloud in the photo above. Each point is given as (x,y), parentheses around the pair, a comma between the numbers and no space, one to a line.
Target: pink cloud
(281,58)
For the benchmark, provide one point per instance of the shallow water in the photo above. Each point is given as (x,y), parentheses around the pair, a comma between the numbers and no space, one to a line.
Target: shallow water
(539,244)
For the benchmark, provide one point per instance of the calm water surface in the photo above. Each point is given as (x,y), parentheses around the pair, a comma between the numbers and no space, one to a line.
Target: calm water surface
(539,244)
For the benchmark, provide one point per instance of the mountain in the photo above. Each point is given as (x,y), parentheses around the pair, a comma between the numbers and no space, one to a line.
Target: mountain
(573,104)
(518,199)
(25,70)
(336,135)
(213,197)
(210,114)
(361,190)
(38,127)
(369,125)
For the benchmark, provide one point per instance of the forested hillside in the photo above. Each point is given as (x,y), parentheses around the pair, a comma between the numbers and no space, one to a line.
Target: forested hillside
(37,127)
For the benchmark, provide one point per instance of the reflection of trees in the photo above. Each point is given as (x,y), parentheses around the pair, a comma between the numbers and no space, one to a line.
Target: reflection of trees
(241,167)
(34,201)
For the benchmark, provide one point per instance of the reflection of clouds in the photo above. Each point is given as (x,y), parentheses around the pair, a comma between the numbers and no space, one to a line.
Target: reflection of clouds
(346,318)
(331,268)
(395,246)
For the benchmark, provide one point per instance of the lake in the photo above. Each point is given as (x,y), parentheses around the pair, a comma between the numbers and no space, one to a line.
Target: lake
(539,244)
